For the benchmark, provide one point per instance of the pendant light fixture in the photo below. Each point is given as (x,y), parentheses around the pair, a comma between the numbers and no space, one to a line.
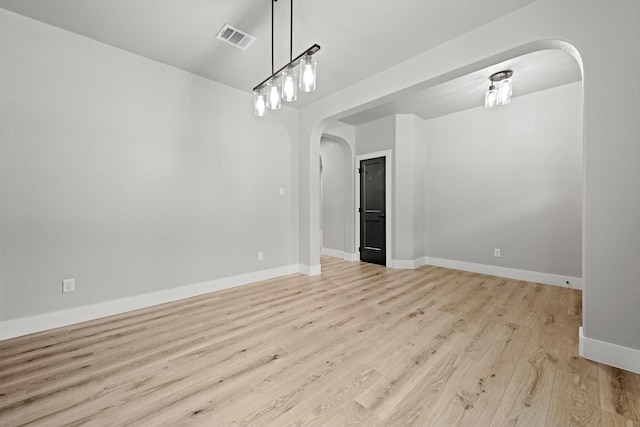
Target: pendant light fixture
(500,90)
(283,84)
(308,74)
(260,102)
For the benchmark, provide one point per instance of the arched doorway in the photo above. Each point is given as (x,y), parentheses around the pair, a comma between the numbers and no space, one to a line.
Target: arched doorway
(336,197)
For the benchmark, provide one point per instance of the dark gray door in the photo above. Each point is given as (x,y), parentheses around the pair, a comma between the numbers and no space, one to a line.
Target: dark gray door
(372,214)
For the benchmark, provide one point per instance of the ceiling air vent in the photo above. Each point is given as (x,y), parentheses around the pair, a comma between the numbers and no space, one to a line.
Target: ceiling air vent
(235,37)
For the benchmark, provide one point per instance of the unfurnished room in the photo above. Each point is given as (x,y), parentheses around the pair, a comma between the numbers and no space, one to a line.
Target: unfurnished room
(306,213)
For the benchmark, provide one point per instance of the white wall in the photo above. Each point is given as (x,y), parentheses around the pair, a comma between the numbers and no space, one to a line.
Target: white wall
(409,224)
(603,35)
(343,132)
(509,178)
(130,176)
(376,136)
(419,187)
(53,71)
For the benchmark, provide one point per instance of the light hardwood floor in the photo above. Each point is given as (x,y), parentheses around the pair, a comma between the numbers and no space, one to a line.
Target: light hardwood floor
(359,345)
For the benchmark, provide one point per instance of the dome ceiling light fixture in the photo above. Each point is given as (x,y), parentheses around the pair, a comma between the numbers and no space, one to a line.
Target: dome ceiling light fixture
(281,84)
(501,89)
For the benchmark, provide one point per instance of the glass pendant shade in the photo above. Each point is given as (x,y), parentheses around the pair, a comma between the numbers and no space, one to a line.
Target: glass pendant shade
(274,93)
(260,102)
(308,74)
(491,97)
(505,90)
(289,86)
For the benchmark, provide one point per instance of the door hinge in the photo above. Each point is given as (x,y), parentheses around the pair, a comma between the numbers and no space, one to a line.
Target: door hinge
(359,170)
(360,249)
(359,209)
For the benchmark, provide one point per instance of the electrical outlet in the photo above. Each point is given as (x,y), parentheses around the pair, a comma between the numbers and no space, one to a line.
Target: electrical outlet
(496,253)
(282,191)
(260,256)
(68,285)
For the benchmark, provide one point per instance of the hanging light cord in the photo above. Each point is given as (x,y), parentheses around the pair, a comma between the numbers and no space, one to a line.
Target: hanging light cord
(272,62)
(292,61)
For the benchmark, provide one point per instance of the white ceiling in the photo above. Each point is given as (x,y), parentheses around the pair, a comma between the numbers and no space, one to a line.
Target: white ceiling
(358,38)
(531,73)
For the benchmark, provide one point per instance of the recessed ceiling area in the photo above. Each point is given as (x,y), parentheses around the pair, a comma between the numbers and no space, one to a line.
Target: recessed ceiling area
(533,72)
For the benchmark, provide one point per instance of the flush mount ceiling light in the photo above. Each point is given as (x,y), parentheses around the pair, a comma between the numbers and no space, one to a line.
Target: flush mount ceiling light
(282,84)
(501,89)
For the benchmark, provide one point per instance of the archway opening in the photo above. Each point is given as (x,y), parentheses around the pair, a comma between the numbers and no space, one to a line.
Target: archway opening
(474,73)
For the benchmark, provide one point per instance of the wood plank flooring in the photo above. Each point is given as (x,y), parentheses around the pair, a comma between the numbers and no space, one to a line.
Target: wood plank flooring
(360,345)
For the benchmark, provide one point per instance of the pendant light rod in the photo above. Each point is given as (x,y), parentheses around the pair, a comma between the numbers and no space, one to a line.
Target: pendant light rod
(313,49)
(273,2)
(291,35)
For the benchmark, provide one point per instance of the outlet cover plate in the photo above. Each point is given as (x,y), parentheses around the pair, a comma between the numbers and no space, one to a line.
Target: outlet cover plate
(68,285)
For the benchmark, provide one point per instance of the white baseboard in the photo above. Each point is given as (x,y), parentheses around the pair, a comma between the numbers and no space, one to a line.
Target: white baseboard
(347,256)
(405,264)
(510,273)
(332,252)
(610,354)
(309,270)
(28,325)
